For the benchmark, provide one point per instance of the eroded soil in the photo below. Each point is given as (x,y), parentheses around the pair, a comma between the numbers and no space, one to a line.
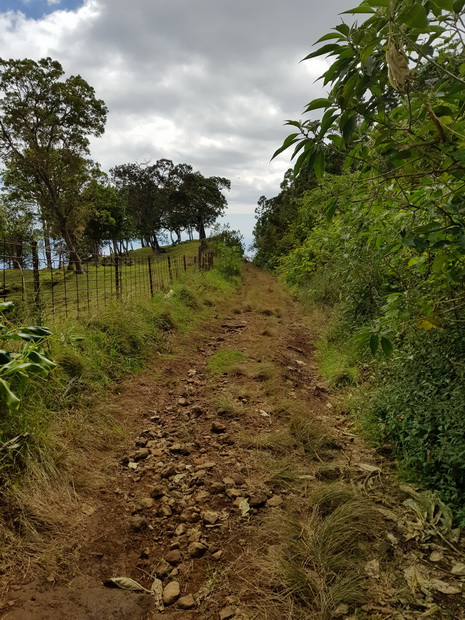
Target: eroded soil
(209,467)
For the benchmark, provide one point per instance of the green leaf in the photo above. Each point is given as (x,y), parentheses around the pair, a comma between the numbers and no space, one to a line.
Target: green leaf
(319,165)
(386,345)
(378,3)
(374,343)
(289,141)
(326,49)
(11,399)
(415,16)
(330,210)
(447,5)
(358,9)
(5,306)
(318,103)
(330,35)
(458,6)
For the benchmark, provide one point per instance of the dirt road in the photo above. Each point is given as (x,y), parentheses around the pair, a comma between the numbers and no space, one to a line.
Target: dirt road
(234,439)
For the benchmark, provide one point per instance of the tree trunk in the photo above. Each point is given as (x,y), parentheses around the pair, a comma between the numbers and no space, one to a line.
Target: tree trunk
(201,229)
(48,252)
(154,244)
(74,258)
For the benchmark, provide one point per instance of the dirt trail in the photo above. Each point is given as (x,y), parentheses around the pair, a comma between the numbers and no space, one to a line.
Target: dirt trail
(210,467)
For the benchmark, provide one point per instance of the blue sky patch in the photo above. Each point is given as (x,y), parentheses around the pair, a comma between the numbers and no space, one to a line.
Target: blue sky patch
(38,8)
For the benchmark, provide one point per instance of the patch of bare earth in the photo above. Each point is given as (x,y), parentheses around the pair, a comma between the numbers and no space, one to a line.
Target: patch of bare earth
(245,494)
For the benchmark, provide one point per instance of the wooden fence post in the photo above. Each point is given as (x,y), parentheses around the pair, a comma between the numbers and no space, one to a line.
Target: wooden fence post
(36,275)
(149,263)
(117,276)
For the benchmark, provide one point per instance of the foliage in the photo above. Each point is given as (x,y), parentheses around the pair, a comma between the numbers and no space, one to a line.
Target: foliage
(17,367)
(382,238)
(45,125)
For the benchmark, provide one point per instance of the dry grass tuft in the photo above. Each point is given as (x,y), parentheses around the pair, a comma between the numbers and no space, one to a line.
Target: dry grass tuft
(278,441)
(228,407)
(318,563)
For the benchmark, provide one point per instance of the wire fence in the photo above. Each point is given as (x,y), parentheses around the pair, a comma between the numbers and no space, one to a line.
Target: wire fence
(45,283)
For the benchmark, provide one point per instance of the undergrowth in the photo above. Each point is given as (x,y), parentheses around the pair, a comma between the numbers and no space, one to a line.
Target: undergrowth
(63,420)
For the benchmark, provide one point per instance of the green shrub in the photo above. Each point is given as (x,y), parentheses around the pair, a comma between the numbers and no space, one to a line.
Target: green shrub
(419,406)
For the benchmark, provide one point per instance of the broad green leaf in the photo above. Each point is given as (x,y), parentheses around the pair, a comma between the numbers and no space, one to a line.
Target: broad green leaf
(458,6)
(289,141)
(327,37)
(386,345)
(357,10)
(447,5)
(317,103)
(374,343)
(326,49)
(415,16)
(319,165)
(11,399)
(5,306)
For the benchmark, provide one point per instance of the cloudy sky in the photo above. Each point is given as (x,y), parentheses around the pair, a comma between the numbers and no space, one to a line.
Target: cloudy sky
(204,82)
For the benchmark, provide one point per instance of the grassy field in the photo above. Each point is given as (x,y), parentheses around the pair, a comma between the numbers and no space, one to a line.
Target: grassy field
(61,291)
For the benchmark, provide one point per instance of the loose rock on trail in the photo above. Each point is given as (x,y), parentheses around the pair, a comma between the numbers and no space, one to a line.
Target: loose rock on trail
(190,508)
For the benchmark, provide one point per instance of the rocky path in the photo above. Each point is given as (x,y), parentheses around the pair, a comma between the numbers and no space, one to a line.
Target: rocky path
(236,457)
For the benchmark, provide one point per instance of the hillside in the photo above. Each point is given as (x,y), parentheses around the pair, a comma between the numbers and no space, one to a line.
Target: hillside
(239,489)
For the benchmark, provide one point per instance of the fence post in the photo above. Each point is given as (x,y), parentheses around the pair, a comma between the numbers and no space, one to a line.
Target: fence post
(117,276)
(169,269)
(36,275)
(149,263)
(184,261)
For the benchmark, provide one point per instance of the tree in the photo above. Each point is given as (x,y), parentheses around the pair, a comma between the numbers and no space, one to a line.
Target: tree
(202,199)
(45,124)
(144,189)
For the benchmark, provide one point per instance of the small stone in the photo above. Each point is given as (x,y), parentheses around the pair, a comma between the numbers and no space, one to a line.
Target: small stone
(176,447)
(275,501)
(458,569)
(234,493)
(168,471)
(217,487)
(196,550)
(146,502)
(158,491)
(186,602)
(229,482)
(257,500)
(141,454)
(210,517)
(436,556)
(238,479)
(218,427)
(164,511)
(162,569)
(138,523)
(209,465)
(182,402)
(227,612)
(180,530)
(173,557)
(171,593)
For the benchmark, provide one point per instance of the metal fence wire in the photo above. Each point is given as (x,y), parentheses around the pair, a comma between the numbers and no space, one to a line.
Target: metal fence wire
(47,282)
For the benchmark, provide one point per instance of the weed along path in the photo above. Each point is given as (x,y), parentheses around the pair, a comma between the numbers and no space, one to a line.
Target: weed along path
(243,491)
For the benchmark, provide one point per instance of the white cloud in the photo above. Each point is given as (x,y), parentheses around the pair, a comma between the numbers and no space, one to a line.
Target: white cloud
(209,83)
